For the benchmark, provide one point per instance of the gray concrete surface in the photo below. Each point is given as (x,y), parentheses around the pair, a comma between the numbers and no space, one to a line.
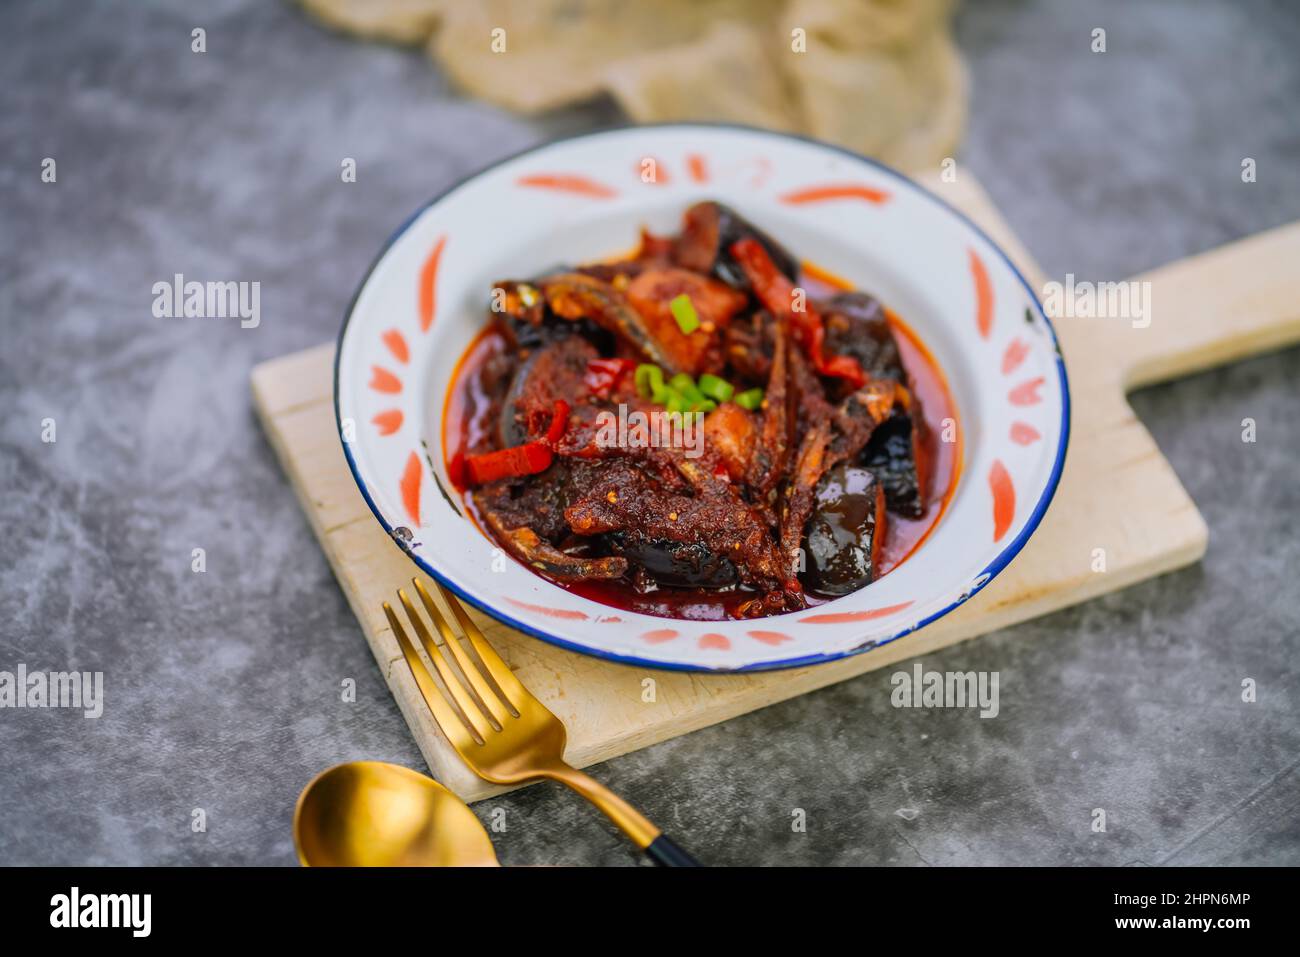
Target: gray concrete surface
(223,687)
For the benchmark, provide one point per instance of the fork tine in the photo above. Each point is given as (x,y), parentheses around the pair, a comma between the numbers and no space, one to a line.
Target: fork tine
(452,724)
(488,698)
(472,713)
(511,688)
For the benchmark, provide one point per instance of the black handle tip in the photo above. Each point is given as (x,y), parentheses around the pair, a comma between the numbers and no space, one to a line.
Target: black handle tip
(665,852)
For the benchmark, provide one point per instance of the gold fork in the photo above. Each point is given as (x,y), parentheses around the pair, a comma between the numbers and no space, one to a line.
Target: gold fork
(498,727)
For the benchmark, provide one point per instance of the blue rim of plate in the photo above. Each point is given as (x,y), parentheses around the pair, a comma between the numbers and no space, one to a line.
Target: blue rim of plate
(991,571)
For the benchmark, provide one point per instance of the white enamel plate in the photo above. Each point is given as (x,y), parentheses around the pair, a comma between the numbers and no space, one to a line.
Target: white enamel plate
(586,198)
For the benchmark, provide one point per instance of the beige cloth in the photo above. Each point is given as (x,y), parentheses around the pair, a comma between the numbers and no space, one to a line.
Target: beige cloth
(882,77)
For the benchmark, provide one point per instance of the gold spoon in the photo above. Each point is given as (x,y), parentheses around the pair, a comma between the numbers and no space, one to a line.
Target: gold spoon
(374,814)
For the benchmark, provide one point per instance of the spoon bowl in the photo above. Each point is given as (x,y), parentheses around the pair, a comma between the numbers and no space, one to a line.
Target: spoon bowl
(375,814)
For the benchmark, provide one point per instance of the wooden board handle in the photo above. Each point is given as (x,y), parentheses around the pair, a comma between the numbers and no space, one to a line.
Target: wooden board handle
(1216,307)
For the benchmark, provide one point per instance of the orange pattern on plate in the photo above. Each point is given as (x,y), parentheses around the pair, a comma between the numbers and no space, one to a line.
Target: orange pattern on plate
(388,422)
(659,635)
(568,613)
(411,487)
(1022,433)
(568,183)
(1027,392)
(660,177)
(1017,349)
(983,295)
(381,380)
(397,346)
(697,167)
(429,285)
(769,637)
(833,191)
(715,640)
(842,617)
(1004,499)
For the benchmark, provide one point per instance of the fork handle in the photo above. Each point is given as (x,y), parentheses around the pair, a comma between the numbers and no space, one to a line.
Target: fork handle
(658,847)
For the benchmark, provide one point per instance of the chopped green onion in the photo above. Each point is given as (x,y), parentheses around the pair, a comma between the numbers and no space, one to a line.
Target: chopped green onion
(684,312)
(684,384)
(649,380)
(679,394)
(750,399)
(715,388)
(674,401)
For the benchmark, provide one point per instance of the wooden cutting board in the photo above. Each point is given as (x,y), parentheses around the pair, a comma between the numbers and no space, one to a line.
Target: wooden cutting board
(1117,493)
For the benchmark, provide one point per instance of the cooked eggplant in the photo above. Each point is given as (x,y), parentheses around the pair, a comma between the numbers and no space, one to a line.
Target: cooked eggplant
(892,456)
(856,325)
(846,531)
(832,441)
(681,564)
(705,244)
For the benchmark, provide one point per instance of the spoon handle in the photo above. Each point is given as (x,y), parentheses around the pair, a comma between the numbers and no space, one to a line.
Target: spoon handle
(629,820)
(666,853)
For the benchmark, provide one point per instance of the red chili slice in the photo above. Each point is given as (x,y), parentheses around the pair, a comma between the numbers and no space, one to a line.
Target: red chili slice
(845,367)
(517,461)
(527,459)
(775,291)
(559,422)
(456,470)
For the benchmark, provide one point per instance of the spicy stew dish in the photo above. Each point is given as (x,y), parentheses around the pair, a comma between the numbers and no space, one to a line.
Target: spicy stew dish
(707,429)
